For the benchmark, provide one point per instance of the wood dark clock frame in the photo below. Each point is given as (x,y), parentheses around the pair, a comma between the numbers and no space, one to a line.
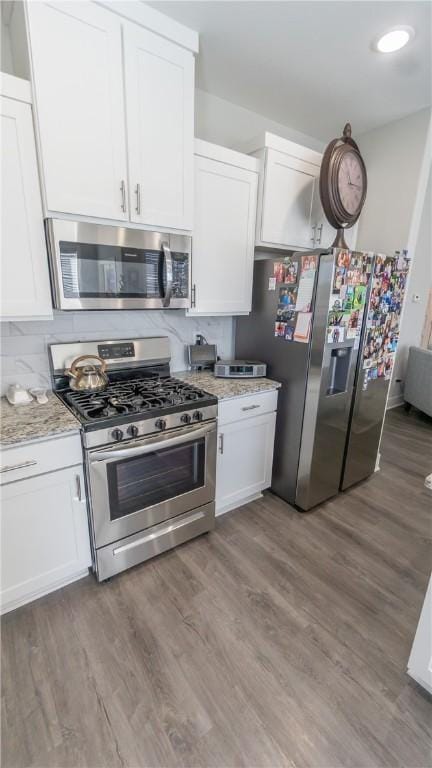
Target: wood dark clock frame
(331,201)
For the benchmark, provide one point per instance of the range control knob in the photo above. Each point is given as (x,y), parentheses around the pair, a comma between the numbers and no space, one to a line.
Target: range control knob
(117,435)
(197,416)
(132,430)
(160,424)
(185,418)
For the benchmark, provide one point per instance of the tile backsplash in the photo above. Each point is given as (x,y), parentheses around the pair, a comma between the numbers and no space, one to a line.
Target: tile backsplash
(24,353)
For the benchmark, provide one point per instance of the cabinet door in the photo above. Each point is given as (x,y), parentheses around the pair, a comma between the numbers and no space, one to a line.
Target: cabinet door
(78,79)
(25,289)
(44,535)
(159,78)
(289,186)
(244,461)
(420,660)
(323,233)
(224,237)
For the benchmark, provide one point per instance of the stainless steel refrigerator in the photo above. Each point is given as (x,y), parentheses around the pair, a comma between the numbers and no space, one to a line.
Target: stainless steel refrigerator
(326,323)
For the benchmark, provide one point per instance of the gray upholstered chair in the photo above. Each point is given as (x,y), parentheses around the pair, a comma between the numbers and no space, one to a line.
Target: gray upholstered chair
(418,380)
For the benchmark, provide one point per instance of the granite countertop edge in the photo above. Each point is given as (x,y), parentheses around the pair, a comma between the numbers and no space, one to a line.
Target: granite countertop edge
(32,423)
(229,388)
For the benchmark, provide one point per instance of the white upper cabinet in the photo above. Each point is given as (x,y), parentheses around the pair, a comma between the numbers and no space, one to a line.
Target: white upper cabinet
(289,186)
(159,79)
(224,230)
(115,109)
(25,288)
(78,79)
(289,180)
(290,214)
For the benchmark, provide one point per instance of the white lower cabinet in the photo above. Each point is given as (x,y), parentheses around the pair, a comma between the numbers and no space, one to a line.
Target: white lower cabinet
(44,533)
(420,660)
(245,449)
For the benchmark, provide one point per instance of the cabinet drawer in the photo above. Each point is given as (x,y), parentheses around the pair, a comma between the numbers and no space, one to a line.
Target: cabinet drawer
(37,458)
(244,407)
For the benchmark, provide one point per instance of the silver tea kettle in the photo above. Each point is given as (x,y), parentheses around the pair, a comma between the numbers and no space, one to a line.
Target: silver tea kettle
(87,378)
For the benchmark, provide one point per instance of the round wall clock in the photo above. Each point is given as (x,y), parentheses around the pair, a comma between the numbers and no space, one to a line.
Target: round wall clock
(342,184)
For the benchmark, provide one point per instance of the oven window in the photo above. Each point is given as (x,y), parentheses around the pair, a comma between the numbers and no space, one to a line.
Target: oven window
(134,484)
(110,272)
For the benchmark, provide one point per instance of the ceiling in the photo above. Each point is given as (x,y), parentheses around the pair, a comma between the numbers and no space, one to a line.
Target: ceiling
(310,65)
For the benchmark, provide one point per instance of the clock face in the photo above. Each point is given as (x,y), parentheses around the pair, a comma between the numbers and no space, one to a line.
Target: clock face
(350,182)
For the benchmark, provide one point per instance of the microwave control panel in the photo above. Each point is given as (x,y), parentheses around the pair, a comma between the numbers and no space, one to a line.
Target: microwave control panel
(180,266)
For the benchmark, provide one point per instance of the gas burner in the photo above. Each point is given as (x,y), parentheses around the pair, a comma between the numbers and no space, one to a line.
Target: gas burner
(134,396)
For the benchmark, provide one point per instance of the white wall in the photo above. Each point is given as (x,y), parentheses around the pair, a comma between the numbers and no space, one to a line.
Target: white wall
(393,155)
(397,158)
(222,122)
(414,312)
(24,356)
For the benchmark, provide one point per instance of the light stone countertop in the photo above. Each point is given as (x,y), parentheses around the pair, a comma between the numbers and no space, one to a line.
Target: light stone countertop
(225,388)
(23,423)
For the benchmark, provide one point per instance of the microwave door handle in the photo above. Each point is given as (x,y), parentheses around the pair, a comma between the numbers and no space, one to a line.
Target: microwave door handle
(148,447)
(169,274)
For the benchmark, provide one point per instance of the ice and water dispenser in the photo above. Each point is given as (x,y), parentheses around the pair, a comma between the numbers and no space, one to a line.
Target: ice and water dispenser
(340,358)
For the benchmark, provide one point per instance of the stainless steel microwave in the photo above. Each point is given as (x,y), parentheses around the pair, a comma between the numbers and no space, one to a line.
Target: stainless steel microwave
(97,266)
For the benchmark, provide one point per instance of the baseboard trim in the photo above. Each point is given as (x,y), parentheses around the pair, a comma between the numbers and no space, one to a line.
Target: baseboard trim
(394,401)
(17,602)
(239,503)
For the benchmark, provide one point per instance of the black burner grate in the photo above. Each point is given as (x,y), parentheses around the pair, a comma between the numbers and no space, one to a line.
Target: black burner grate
(134,396)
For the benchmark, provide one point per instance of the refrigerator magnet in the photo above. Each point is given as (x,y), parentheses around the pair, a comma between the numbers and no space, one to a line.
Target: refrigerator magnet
(279,271)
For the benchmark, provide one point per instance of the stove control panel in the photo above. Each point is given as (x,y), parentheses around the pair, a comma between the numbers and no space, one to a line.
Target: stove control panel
(149,426)
(116,350)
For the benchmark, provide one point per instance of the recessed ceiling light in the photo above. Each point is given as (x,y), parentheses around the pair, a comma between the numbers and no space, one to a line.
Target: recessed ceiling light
(394,39)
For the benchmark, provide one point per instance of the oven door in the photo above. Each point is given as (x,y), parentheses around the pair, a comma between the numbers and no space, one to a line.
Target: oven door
(151,480)
(97,266)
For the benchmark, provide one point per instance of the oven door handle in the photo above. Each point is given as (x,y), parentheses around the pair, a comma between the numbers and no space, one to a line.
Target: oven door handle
(169,274)
(148,447)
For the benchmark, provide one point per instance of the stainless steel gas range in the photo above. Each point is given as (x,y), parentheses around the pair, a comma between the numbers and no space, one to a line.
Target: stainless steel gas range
(149,445)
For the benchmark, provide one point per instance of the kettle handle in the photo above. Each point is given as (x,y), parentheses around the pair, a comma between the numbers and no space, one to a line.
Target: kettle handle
(73,368)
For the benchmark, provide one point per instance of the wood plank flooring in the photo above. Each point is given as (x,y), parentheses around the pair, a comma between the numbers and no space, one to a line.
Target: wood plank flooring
(281,639)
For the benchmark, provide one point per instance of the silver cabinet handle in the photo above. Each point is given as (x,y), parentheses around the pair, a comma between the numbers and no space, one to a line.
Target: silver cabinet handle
(319,234)
(78,487)
(169,274)
(138,198)
(313,233)
(250,407)
(123,195)
(193,296)
(221,443)
(10,467)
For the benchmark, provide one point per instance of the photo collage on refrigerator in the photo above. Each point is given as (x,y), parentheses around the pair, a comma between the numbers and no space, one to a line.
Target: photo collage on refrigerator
(382,324)
(294,282)
(351,274)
